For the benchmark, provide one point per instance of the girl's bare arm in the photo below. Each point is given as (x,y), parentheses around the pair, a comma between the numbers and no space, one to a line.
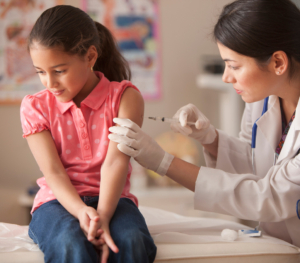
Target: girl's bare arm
(44,151)
(115,167)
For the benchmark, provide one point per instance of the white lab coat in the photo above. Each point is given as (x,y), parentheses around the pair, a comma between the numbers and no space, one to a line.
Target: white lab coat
(227,185)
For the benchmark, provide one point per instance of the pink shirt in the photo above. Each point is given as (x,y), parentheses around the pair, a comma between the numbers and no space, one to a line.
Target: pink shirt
(80,134)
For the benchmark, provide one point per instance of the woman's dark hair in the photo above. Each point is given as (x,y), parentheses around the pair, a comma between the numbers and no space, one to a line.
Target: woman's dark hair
(73,30)
(258,28)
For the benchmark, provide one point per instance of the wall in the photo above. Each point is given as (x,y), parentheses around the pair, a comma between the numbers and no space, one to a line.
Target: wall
(185,37)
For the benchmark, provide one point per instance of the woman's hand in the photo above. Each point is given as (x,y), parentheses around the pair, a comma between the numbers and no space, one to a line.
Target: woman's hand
(202,131)
(136,143)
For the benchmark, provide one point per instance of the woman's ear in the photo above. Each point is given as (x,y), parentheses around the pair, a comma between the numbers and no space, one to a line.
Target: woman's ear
(280,62)
(92,55)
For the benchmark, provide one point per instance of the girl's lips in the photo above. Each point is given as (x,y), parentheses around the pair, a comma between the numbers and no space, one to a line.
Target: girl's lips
(57,93)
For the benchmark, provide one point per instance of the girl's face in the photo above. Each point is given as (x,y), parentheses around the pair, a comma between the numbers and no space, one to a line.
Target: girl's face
(248,79)
(67,77)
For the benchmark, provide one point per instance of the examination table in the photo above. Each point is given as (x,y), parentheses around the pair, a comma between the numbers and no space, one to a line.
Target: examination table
(179,239)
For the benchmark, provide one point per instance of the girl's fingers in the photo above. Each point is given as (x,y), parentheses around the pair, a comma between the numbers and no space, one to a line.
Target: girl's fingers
(110,243)
(93,229)
(85,224)
(105,254)
(99,232)
(98,243)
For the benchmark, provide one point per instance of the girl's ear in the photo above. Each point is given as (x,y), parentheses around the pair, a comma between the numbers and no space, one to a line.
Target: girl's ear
(92,55)
(281,62)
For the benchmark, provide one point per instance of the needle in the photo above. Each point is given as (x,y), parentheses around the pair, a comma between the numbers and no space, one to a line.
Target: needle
(169,120)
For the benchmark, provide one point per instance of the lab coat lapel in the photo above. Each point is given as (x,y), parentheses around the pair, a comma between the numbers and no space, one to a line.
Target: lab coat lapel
(268,124)
(268,136)
(291,146)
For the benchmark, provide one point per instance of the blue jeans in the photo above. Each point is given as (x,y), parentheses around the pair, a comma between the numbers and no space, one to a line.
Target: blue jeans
(61,239)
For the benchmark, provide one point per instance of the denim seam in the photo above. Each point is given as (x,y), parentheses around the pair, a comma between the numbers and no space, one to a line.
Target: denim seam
(34,236)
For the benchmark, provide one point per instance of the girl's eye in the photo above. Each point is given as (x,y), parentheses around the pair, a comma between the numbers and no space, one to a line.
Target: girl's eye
(39,72)
(59,71)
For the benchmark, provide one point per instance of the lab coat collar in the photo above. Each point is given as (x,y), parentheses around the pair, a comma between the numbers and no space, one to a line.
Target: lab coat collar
(290,146)
(268,123)
(297,117)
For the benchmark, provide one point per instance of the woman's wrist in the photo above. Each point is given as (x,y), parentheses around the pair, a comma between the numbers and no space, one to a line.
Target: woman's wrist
(212,148)
(165,164)
(183,173)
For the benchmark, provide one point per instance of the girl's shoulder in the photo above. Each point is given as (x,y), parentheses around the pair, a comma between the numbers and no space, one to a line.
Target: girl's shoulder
(43,97)
(116,92)
(35,113)
(40,105)
(117,88)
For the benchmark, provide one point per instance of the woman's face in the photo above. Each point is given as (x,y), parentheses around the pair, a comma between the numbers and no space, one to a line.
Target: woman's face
(247,78)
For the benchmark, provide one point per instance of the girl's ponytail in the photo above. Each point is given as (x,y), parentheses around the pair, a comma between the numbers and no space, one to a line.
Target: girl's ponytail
(110,61)
(73,30)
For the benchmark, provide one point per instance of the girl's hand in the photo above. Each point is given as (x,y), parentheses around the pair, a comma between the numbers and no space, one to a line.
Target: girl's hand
(104,254)
(108,240)
(107,237)
(90,224)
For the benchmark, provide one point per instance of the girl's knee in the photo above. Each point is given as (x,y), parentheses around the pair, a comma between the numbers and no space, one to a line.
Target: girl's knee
(134,246)
(71,237)
(135,239)
(73,246)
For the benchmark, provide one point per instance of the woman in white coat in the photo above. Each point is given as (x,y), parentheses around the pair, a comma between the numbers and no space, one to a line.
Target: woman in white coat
(259,40)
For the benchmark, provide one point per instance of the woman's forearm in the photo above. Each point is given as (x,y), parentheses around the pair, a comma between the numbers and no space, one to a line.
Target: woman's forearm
(213,147)
(183,173)
(186,173)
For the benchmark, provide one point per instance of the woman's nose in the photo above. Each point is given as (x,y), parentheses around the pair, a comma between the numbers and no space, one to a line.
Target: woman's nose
(227,78)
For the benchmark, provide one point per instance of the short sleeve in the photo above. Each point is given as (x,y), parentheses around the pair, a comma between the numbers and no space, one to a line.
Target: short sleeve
(116,92)
(34,116)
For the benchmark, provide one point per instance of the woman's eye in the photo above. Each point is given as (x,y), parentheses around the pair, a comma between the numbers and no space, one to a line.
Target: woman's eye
(39,72)
(234,68)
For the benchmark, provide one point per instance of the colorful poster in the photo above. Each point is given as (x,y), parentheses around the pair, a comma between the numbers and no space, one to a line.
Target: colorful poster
(17,74)
(134,24)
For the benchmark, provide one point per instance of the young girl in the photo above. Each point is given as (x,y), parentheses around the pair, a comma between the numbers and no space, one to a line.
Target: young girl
(85,191)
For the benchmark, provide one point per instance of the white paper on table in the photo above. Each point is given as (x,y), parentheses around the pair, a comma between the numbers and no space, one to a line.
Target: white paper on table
(164,227)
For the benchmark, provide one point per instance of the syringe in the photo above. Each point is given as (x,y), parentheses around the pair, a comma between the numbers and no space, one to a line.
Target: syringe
(169,120)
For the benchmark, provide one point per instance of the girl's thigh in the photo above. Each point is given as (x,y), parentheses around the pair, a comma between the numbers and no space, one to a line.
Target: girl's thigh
(59,235)
(49,220)
(130,233)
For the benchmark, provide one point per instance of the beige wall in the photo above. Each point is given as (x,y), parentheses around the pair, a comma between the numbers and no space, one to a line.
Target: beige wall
(185,36)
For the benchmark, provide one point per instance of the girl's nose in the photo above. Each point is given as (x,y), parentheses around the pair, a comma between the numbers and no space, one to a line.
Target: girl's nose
(51,82)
